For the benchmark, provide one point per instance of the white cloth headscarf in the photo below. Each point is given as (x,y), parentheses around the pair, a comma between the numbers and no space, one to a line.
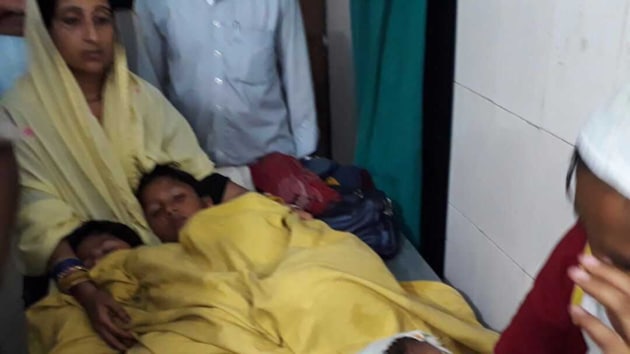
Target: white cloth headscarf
(604,143)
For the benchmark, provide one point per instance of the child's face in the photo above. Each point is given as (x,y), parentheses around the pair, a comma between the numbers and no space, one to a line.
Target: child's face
(168,204)
(606,216)
(97,246)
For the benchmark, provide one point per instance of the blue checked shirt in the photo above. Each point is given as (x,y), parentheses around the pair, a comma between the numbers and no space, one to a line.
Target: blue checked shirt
(238,70)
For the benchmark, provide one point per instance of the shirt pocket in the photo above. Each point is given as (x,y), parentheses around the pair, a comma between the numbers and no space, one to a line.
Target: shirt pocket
(252,56)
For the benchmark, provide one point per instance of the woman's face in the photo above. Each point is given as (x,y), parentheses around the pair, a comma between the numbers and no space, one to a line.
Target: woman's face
(83,32)
(168,204)
(605,214)
(97,246)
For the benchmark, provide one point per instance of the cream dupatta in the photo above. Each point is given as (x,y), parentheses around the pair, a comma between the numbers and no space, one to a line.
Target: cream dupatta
(74,169)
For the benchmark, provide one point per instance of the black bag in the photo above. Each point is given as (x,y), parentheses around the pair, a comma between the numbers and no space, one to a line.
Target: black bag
(369,215)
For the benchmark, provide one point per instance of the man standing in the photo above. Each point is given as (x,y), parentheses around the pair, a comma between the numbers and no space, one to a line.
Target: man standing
(238,70)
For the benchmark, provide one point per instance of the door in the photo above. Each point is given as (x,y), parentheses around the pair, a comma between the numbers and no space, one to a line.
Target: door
(314,14)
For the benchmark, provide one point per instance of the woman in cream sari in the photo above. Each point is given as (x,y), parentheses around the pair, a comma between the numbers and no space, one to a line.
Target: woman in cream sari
(89,129)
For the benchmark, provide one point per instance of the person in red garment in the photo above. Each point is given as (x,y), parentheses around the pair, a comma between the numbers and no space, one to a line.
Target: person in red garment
(558,316)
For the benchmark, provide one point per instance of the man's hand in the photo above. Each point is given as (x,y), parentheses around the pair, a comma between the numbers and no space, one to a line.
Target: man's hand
(12,17)
(611,288)
(105,314)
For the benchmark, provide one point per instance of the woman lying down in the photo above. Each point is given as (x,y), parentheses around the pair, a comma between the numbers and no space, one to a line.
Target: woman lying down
(247,276)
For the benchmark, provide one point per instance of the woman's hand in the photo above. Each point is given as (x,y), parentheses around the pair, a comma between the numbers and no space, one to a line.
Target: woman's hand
(611,288)
(105,314)
(303,214)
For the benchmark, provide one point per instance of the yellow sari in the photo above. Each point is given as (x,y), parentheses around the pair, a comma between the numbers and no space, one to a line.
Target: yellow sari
(74,169)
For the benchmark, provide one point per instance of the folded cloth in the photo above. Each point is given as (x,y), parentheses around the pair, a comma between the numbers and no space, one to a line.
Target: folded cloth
(284,176)
(250,276)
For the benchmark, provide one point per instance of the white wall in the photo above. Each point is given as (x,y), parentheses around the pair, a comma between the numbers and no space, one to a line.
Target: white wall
(342,97)
(528,74)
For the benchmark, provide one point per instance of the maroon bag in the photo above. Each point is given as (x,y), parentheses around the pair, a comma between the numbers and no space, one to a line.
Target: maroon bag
(285,177)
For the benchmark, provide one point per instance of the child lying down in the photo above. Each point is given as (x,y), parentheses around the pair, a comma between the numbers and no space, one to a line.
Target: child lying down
(250,276)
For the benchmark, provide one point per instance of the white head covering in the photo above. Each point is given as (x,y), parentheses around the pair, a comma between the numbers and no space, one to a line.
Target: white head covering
(604,143)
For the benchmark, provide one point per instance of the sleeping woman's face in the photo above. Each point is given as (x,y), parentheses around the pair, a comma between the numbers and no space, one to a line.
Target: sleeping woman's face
(83,32)
(168,204)
(97,246)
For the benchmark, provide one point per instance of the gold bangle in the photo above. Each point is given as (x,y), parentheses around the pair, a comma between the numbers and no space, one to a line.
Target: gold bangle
(68,285)
(75,283)
(73,279)
(72,275)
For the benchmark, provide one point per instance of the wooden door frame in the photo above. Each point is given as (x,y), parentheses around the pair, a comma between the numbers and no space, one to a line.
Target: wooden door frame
(314,16)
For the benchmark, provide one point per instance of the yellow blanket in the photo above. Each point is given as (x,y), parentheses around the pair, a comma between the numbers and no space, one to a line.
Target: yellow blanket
(250,277)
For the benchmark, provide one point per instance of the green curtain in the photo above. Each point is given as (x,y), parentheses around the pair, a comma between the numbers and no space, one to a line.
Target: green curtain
(389,43)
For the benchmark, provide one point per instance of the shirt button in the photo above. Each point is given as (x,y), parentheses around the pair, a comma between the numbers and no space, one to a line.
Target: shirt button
(210,2)
(219,108)
(217,53)
(216,24)
(218,81)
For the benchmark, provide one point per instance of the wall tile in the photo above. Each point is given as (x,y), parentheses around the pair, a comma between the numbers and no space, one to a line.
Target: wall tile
(486,275)
(507,177)
(585,62)
(503,52)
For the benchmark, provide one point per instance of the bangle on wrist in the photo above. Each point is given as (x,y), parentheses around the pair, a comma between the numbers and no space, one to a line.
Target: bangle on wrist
(64,267)
(69,273)
(73,279)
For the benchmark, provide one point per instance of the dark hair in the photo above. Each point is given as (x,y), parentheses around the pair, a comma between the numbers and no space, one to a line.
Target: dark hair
(576,160)
(47,9)
(401,345)
(167,171)
(116,229)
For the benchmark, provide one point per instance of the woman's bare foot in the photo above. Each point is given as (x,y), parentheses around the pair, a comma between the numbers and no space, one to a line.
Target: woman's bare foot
(411,346)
